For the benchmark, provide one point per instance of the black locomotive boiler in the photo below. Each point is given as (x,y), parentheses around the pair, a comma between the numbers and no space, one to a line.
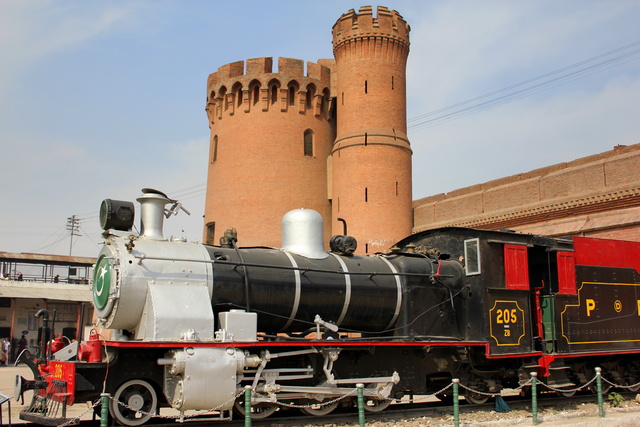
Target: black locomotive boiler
(192,325)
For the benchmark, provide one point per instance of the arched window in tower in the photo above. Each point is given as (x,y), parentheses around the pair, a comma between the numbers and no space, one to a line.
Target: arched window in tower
(274,88)
(211,106)
(214,149)
(308,143)
(311,93)
(366,84)
(223,96)
(392,83)
(325,102)
(254,91)
(293,90)
(237,93)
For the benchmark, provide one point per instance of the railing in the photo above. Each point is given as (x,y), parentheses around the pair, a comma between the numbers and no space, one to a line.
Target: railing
(357,392)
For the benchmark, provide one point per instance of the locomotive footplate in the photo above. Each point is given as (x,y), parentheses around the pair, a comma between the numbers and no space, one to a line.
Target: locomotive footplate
(42,419)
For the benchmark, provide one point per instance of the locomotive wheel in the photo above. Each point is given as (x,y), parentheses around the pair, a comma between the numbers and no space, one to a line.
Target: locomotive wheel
(476,398)
(593,388)
(566,393)
(259,411)
(318,410)
(138,395)
(371,404)
(376,405)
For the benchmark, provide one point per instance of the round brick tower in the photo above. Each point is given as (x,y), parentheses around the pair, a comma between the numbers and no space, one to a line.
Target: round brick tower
(371,156)
(271,134)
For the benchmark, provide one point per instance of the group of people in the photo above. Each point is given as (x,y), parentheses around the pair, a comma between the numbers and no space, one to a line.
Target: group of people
(5,276)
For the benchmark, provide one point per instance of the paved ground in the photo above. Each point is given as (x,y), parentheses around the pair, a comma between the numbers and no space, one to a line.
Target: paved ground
(629,416)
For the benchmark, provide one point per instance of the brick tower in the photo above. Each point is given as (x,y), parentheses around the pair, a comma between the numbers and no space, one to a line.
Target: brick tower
(271,135)
(371,156)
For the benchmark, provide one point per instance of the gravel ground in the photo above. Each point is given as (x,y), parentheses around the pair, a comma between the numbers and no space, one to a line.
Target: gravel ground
(557,414)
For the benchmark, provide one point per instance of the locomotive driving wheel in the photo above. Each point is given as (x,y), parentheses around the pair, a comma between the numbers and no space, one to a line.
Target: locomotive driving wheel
(568,393)
(259,411)
(374,404)
(319,409)
(134,403)
(476,398)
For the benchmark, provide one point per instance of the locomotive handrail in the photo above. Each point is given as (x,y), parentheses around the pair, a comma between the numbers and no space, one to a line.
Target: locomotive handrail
(278,267)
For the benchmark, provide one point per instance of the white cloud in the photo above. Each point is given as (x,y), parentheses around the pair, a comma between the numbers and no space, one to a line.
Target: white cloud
(33,30)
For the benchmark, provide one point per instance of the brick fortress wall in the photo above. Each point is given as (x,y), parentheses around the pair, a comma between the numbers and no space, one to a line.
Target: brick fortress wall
(597,196)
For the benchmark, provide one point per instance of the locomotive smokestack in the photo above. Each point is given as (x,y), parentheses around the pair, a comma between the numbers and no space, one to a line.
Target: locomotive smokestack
(152,204)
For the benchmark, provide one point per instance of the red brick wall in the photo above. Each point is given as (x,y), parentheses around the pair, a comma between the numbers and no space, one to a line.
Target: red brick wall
(544,200)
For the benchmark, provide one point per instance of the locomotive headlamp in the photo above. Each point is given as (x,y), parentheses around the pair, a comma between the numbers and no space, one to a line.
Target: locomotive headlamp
(116,214)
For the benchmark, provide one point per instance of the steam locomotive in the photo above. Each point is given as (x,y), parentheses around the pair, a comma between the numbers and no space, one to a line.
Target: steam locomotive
(193,324)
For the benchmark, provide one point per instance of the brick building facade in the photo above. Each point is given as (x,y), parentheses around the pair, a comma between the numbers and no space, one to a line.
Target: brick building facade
(596,196)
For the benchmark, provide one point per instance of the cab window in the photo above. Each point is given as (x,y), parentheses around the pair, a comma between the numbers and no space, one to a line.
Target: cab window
(472,256)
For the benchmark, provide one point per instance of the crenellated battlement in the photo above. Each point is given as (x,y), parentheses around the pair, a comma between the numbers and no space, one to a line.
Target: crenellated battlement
(261,69)
(387,24)
(254,86)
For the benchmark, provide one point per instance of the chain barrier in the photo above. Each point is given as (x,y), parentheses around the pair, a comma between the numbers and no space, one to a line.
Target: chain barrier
(442,390)
(319,404)
(75,420)
(568,390)
(632,387)
(484,393)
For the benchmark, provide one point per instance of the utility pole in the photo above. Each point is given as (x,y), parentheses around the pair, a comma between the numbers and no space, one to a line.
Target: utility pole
(73,225)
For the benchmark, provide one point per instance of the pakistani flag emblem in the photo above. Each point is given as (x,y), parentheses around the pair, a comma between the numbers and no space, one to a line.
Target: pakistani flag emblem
(101,282)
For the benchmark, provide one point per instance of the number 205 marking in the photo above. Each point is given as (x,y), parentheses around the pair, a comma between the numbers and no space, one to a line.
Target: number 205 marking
(506,316)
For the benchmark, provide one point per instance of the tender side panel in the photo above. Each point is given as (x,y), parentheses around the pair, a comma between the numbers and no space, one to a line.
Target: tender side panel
(605,316)
(607,253)
(508,321)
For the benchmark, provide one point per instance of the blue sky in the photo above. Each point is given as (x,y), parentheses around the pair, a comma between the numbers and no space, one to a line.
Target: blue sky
(101,99)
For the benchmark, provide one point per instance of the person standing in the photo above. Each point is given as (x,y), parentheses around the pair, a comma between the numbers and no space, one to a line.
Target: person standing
(5,348)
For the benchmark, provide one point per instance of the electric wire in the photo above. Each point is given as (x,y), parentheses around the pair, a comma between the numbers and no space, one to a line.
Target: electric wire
(528,89)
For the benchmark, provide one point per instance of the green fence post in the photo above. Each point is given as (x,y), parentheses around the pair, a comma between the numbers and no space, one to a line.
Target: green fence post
(534,397)
(456,402)
(599,389)
(247,406)
(104,410)
(361,404)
